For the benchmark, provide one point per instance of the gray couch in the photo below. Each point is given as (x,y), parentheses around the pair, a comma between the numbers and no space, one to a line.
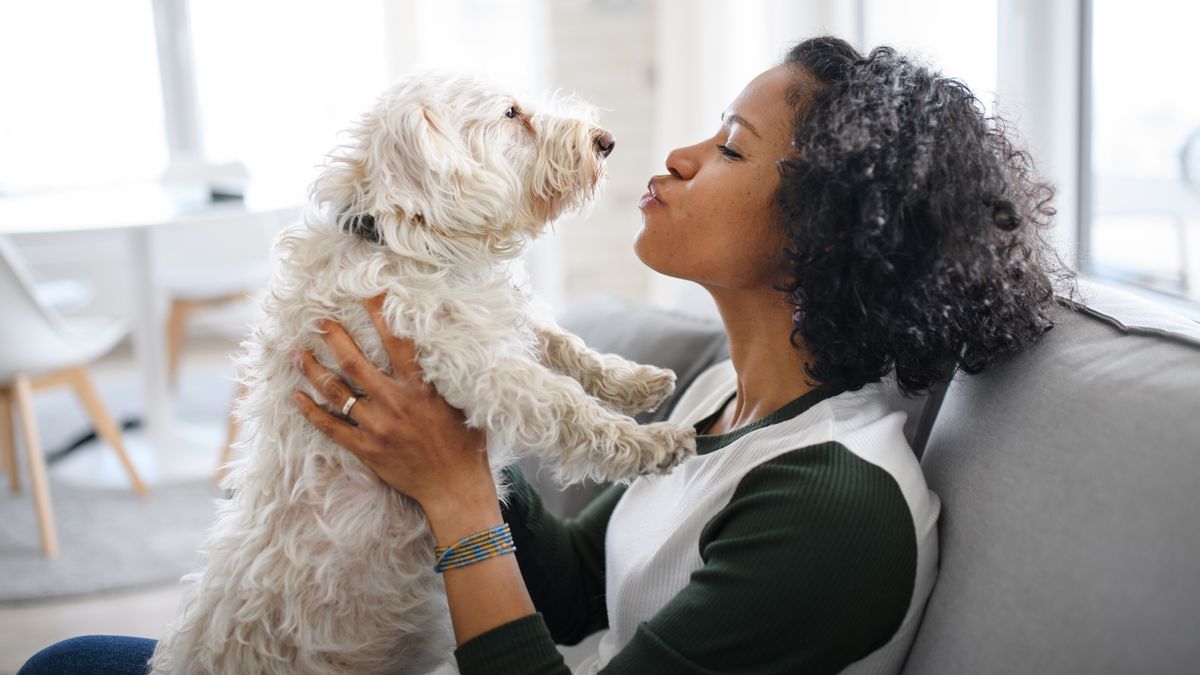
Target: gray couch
(1070,486)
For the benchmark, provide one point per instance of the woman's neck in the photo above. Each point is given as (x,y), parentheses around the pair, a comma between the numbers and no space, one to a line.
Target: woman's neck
(770,368)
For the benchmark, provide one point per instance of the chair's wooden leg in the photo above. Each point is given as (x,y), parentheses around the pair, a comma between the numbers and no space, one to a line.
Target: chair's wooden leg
(8,445)
(23,392)
(106,428)
(176,331)
(231,434)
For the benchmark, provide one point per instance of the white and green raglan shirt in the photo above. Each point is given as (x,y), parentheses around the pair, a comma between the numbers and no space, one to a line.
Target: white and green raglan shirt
(805,542)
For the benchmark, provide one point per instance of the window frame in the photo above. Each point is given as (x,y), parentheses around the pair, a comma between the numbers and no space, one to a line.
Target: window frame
(1084,173)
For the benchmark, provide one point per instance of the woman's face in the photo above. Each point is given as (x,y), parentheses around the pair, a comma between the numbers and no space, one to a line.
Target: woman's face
(710,219)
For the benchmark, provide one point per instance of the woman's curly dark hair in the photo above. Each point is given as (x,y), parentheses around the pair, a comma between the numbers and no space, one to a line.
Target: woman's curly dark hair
(915,223)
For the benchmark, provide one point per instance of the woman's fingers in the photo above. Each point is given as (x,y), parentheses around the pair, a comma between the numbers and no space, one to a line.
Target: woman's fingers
(332,388)
(335,428)
(401,428)
(402,353)
(350,358)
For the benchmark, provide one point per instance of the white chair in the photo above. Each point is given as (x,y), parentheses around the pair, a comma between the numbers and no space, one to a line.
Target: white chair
(209,264)
(38,349)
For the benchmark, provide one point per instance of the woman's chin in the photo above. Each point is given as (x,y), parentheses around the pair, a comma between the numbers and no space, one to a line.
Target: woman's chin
(656,252)
(657,264)
(643,250)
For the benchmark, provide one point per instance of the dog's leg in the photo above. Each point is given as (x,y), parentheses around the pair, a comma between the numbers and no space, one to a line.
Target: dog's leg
(532,409)
(626,386)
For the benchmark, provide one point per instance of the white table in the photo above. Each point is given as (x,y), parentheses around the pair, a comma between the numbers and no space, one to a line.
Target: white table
(164,450)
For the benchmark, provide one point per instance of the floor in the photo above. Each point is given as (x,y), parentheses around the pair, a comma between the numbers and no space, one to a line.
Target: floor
(24,629)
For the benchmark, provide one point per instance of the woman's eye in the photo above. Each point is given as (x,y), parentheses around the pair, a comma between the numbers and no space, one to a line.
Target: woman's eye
(511,112)
(728,152)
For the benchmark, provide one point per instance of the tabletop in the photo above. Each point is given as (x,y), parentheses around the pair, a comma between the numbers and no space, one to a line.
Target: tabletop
(137,205)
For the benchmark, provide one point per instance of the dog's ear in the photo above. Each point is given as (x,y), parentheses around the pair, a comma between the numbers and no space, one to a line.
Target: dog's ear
(418,163)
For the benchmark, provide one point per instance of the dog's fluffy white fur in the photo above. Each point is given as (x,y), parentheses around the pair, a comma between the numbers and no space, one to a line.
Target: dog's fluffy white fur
(315,565)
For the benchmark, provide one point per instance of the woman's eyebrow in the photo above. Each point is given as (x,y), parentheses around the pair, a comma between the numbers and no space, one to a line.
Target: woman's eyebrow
(732,118)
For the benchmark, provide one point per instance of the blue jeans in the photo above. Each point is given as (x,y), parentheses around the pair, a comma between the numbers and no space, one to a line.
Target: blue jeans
(92,655)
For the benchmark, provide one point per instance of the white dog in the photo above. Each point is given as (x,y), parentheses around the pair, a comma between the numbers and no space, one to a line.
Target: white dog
(314,564)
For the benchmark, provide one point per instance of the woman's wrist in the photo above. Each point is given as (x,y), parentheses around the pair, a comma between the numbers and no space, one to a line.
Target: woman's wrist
(488,593)
(457,514)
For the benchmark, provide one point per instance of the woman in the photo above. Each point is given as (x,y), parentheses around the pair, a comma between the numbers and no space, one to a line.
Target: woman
(851,217)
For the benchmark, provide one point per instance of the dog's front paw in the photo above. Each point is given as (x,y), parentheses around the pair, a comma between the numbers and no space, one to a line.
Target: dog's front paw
(645,449)
(646,388)
(671,445)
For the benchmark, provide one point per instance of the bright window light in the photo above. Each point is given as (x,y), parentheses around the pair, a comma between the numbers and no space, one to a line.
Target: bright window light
(82,102)
(276,80)
(958,38)
(1145,227)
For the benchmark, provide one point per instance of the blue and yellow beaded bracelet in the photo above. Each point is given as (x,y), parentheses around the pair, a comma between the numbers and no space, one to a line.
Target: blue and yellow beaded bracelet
(489,543)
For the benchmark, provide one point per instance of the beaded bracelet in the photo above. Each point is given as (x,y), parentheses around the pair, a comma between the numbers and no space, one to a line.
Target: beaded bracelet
(489,543)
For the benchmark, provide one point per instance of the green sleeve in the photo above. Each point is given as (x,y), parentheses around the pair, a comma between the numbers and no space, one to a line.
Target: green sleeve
(562,561)
(562,564)
(520,647)
(808,568)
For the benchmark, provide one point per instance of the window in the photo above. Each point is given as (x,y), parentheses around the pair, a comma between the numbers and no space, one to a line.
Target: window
(957,38)
(504,41)
(82,102)
(276,81)
(1144,171)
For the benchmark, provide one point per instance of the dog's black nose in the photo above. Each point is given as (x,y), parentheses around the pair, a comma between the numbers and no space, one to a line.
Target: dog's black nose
(604,143)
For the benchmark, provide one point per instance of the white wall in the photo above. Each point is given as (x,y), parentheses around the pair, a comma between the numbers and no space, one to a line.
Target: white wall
(604,52)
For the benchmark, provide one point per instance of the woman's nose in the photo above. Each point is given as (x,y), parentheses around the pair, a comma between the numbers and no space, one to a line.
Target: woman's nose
(681,163)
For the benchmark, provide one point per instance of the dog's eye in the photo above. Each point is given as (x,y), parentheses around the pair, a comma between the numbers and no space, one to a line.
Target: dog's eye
(511,112)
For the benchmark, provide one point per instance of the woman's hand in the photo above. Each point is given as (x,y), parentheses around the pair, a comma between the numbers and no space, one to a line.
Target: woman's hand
(406,432)
(417,443)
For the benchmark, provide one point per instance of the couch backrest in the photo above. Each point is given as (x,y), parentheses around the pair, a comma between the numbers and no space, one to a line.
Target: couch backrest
(1070,486)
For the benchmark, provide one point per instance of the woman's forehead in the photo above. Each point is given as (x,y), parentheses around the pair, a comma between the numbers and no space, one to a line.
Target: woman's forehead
(764,103)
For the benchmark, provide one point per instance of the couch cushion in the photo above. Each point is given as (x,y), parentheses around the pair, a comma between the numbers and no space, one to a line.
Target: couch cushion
(1070,487)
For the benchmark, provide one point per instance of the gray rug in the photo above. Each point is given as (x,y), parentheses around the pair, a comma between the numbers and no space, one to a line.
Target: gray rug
(110,539)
